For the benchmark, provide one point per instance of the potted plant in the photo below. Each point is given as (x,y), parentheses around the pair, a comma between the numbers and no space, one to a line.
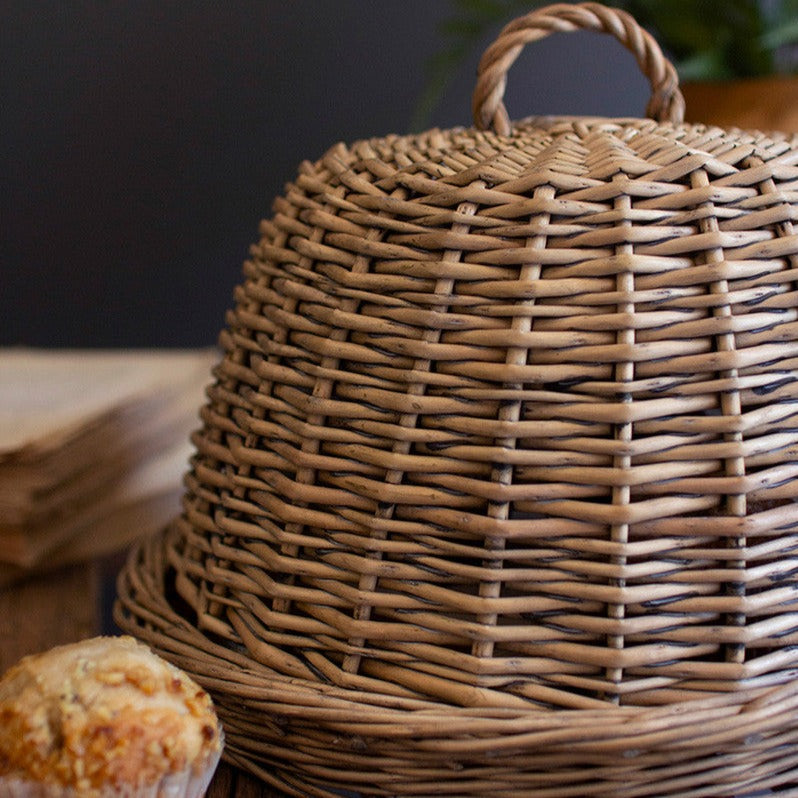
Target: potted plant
(737,59)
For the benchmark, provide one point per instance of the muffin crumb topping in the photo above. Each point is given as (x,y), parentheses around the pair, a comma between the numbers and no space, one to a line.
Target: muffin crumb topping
(104,712)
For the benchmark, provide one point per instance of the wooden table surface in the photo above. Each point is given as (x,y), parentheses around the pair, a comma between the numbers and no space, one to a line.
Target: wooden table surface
(74,603)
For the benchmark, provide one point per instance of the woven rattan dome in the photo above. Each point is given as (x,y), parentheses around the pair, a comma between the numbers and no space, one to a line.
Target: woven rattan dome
(495,488)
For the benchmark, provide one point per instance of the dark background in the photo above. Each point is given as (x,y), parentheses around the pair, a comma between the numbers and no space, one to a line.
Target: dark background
(141,141)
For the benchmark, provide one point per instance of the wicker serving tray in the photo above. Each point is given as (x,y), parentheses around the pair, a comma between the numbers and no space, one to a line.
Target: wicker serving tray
(495,490)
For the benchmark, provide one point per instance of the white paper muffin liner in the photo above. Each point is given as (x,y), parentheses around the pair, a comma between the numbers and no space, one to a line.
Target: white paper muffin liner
(190,783)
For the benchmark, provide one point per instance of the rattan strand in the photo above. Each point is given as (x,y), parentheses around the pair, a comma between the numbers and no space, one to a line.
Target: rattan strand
(495,488)
(666,103)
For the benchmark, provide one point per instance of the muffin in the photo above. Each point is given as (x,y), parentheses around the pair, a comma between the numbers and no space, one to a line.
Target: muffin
(105,717)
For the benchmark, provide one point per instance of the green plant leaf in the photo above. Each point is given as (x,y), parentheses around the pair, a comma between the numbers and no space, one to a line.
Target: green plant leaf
(781,36)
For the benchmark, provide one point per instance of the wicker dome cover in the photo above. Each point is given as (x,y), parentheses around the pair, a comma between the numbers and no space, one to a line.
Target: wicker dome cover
(495,488)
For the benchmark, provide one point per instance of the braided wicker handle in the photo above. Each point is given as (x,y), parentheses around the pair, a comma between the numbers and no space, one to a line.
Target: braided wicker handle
(666,103)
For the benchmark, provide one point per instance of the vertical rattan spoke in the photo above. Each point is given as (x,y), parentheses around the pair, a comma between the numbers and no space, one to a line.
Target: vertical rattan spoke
(621,494)
(510,412)
(242,358)
(321,391)
(394,476)
(730,407)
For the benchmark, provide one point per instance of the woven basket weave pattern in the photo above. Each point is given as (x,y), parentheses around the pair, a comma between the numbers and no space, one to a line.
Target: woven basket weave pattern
(514,420)
(503,447)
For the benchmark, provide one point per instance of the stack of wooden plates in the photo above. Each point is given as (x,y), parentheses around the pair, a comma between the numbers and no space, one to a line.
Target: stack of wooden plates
(93,446)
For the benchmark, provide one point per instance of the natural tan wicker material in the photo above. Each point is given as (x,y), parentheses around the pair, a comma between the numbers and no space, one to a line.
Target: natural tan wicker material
(495,490)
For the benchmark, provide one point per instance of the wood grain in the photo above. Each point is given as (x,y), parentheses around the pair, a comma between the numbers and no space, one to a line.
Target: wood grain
(48,610)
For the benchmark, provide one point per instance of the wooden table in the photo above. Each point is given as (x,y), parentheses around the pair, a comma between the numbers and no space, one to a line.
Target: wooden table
(73,603)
